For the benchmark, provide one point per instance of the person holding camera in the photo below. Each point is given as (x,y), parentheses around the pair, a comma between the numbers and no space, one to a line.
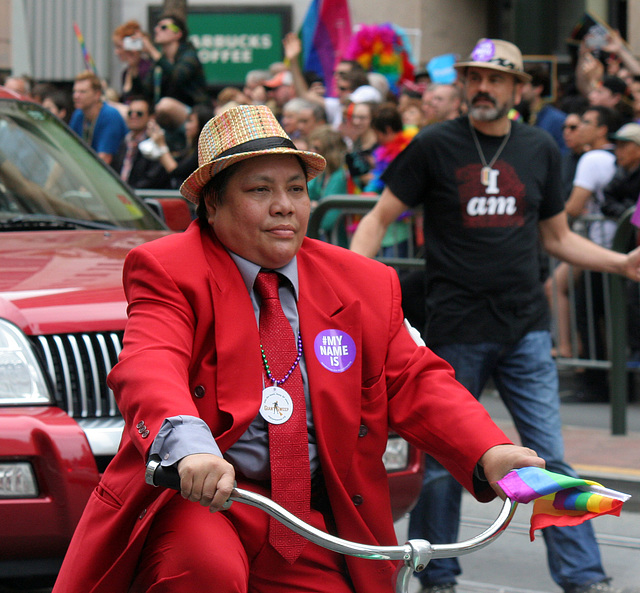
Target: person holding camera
(128,46)
(175,82)
(177,72)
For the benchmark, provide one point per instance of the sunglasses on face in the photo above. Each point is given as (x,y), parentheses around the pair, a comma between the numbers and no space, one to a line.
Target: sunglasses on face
(132,112)
(170,26)
(570,127)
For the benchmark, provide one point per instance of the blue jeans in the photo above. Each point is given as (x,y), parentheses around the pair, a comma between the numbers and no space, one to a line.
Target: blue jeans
(527,380)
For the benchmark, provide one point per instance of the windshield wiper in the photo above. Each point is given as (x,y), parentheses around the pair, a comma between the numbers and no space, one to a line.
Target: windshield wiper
(50,222)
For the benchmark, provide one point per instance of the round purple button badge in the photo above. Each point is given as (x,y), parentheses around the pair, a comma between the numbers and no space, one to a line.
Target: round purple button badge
(335,350)
(484,51)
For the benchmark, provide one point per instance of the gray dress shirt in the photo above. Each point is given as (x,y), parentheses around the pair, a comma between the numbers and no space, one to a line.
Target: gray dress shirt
(180,436)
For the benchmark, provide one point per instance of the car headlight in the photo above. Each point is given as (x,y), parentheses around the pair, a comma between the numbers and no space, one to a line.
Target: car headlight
(21,378)
(17,480)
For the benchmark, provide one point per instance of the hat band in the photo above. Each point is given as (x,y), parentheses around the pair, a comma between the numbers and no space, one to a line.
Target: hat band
(258,144)
(503,63)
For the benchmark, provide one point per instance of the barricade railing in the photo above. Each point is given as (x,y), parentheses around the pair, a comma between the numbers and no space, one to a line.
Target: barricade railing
(624,239)
(602,344)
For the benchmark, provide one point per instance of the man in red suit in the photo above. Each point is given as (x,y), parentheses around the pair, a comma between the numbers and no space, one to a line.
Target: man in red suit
(197,370)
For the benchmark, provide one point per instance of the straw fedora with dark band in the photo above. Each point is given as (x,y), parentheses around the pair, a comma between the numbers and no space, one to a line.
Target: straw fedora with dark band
(241,133)
(496,54)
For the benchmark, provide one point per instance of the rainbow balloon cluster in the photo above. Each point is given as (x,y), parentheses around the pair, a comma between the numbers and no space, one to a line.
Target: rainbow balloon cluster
(384,49)
(560,500)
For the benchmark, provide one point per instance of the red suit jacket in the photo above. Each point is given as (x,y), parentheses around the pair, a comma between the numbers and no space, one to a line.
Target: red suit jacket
(191,347)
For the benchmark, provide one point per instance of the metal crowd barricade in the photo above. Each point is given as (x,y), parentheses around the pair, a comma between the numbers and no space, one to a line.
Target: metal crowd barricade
(603,343)
(353,207)
(626,236)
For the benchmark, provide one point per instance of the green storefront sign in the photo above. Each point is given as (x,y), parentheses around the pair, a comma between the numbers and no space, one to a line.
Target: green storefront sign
(231,40)
(230,43)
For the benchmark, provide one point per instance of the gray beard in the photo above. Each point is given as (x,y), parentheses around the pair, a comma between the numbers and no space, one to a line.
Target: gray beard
(488,114)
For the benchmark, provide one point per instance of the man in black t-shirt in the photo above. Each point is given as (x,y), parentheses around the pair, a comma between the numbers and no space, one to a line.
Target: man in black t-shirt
(489,188)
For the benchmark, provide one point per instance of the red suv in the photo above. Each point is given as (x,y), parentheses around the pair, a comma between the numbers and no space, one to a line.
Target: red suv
(67,223)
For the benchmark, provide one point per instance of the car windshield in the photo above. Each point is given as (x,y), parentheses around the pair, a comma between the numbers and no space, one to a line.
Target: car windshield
(45,171)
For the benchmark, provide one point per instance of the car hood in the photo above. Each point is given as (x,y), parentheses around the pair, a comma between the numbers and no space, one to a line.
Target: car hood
(66,281)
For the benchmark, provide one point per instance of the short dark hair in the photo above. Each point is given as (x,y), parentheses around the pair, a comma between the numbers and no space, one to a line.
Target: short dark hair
(387,116)
(355,78)
(133,98)
(539,77)
(606,117)
(615,84)
(62,100)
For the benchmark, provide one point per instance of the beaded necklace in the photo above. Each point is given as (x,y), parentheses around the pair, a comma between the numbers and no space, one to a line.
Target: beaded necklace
(277,382)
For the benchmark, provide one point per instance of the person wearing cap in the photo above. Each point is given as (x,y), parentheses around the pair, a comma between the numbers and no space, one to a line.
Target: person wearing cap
(623,190)
(199,376)
(280,90)
(620,194)
(490,189)
(365,94)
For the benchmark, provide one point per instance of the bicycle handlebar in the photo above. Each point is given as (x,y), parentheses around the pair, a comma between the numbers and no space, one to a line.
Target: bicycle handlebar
(415,554)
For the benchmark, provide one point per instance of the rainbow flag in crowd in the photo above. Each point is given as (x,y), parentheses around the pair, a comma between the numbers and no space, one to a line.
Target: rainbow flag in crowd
(560,500)
(86,56)
(325,35)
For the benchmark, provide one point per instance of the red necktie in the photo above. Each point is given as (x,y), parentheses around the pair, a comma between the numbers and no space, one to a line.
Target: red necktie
(288,442)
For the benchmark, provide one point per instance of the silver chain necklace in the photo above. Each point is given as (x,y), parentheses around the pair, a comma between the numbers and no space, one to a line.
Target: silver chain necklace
(486,168)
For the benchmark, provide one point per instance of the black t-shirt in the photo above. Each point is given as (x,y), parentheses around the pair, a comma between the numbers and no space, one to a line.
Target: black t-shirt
(481,242)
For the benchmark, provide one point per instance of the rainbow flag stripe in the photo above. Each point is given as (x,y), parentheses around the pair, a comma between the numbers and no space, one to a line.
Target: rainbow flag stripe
(560,500)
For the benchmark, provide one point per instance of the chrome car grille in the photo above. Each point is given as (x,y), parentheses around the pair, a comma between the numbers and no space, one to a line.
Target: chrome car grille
(78,365)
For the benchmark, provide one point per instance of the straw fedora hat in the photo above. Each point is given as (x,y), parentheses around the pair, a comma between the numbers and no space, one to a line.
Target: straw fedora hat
(496,54)
(240,133)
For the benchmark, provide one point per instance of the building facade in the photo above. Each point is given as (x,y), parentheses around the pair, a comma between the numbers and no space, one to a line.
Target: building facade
(37,37)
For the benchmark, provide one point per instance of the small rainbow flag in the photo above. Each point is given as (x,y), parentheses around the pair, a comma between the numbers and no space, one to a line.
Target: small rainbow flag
(560,500)
(86,56)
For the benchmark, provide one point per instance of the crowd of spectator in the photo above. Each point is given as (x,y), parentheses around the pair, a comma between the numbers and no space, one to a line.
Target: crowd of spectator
(148,131)
(147,128)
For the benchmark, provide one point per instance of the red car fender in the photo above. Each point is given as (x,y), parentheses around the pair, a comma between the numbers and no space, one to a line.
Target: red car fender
(66,473)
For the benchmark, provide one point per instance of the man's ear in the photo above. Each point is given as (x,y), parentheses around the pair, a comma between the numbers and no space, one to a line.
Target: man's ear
(210,208)
(517,93)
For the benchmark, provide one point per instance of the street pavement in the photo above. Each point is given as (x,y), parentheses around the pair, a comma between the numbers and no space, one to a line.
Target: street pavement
(596,454)
(513,564)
